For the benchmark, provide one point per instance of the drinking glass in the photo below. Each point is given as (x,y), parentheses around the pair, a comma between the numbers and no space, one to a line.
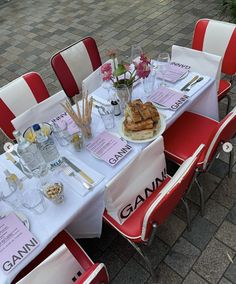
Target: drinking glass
(149,82)
(136,52)
(124,96)
(163,62)
(61,133)
(107,115)
(31,196)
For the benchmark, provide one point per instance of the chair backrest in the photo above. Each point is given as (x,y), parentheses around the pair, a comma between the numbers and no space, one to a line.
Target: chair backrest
(170,195)
(18,96)
(224,132)
(42,112)
(74,63)
(128,190)
(219,38)
(62,261)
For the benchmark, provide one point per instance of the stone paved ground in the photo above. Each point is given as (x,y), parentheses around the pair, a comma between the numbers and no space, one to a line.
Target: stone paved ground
(31,31)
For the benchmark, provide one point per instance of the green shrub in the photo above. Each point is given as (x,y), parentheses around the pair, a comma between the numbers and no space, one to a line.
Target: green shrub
(230,7)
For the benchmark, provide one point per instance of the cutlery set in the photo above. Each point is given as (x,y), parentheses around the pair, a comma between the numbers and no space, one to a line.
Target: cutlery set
(191,83)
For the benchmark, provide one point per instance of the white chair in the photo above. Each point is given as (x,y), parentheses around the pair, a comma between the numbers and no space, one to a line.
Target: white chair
(18,96)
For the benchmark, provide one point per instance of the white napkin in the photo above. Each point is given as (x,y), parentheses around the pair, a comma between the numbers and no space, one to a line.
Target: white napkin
(74,184)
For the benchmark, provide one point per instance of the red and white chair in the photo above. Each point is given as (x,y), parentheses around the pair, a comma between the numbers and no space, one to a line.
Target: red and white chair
(18,96)
(189,131)
(74,63)
(141,226)
(63,261)
(219,38)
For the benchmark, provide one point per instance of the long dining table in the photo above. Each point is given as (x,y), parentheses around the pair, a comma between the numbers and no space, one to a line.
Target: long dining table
(82,215)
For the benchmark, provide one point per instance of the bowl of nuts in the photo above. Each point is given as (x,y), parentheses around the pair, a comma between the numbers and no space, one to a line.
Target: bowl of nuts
(54,192)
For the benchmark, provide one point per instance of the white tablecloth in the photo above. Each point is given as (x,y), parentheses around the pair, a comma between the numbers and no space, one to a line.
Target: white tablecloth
(82,216)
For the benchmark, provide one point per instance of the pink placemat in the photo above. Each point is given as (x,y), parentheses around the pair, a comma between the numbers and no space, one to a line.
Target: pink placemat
(168,98)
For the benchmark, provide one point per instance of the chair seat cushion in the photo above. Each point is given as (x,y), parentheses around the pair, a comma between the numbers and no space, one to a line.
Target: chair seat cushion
(224,87)
(184,136)
(132,227)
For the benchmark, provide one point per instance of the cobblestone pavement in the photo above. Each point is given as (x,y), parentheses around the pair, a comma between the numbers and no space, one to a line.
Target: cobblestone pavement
(31,31)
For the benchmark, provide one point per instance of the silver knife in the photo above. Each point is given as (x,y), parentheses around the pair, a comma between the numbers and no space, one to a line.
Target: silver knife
(189,83)
(78,170)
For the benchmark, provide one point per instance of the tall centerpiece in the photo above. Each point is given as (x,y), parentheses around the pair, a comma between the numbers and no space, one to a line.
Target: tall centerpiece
(123,73)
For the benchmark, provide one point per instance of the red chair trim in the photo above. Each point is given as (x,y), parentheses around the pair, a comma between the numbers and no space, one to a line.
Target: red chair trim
(93,52)
(198,38)
(66,79)
(6,116)
(126,236)
(37,86)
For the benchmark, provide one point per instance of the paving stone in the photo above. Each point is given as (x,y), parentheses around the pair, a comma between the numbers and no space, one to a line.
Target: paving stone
(231,217)
(171,229)
(219,168)
(113,263)
(227,234)
(132,273)
(214,212)
(214,260)
(209,183)
(201,232)
(155,253)
(230,273)
(225,193)
(182,256)
(225,281)
(165,275)
(193,278)
(122,248)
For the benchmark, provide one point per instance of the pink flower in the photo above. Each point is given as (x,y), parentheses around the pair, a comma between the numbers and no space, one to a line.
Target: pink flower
(106,71)
(142,69)
(111,53)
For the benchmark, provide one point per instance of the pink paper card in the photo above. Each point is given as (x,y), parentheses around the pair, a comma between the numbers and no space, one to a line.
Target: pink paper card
(16,242)
(168,98)
(173,73)
(109,148)
(64,117)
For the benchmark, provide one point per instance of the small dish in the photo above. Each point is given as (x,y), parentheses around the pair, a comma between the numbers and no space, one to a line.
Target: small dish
(30,136)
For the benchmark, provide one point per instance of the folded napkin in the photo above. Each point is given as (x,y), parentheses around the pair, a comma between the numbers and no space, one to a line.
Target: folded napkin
(74,184)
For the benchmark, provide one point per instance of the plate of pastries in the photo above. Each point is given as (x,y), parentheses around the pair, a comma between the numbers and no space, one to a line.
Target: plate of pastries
(142,122)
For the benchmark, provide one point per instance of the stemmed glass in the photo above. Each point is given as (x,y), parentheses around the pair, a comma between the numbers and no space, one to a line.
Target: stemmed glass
(163,62)
(136,52)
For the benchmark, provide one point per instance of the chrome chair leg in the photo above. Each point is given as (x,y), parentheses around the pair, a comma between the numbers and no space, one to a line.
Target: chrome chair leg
(153,233)
(147,261)
(231,161)
(187,213)
(202,199)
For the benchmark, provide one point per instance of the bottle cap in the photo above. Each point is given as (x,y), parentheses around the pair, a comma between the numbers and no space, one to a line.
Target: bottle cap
(36,127)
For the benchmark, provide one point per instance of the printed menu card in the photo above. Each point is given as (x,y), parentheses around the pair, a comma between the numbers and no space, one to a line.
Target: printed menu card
(168,98)
(65,118)
(173,73)
(109,148)
(16,242)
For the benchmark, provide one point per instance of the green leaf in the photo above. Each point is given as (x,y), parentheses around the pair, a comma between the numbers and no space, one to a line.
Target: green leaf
(120,70)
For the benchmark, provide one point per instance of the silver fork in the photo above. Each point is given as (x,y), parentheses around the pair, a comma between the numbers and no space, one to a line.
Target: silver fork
(69,172)
(195,82)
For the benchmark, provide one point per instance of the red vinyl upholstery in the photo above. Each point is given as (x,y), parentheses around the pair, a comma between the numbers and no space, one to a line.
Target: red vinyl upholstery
(74,63)
(97,273)
(19,95)
(190,130)
(219,38)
